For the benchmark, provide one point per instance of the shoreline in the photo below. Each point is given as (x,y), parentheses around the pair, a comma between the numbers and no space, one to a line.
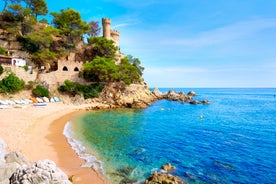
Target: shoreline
(37,132)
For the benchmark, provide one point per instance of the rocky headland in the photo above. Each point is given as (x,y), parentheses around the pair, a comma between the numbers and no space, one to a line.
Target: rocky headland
(120,95)
(179,96)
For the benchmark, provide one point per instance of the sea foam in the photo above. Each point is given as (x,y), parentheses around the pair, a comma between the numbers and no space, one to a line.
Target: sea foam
(90,160)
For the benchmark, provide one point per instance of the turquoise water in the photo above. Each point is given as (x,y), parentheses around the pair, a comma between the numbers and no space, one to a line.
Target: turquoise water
(233,142)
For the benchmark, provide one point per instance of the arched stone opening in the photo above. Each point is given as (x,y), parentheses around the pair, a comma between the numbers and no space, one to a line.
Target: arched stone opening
(65,68)
(76,69)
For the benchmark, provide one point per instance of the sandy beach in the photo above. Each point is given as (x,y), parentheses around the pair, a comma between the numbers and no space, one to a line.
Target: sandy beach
(37,132)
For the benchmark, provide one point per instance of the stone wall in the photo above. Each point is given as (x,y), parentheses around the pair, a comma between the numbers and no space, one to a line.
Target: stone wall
(67,69)
(57,78)
(20,72)
(54,79)
(69,66)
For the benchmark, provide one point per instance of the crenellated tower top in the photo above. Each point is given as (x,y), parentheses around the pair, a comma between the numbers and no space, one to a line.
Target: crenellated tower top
(108,33)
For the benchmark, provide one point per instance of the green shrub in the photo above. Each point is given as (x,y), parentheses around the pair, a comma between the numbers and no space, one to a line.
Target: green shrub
(3,51)
(26,68)
(74,88)
(41,91)
(69,87)
(1,69)
(30,85)
(11,84)
(28,44)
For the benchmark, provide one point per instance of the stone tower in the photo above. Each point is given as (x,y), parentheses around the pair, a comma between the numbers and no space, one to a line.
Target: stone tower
(115,35)
(108,33)
(106,22)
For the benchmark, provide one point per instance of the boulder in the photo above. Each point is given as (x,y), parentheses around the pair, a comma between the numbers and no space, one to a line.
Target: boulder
(16,157)
(205,102)
(191,93)
(6,171)
(168,167)
(43,171)
(172,95)
(12,161)
(177,96)
(161,178)
(183,97)
(194,102)
(157,93)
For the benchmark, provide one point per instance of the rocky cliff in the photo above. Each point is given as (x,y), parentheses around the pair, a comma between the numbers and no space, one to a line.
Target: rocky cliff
(120,95)
(130,96)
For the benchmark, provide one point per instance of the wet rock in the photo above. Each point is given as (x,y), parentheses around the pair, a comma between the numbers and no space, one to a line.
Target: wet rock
(194,102)
(127,181)
(177,96)
(124,175)
(168,167)
(157,93)
(205,102)
(191,93)
(125,170)
(172,95)
(160,178)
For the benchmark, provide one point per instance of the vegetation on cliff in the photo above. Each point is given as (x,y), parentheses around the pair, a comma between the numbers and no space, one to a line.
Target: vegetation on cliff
(41,91)
(1,69)
(46,43)
(74,88)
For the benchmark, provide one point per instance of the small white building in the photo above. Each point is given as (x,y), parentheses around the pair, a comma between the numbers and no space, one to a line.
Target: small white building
(18,61)
(12,60)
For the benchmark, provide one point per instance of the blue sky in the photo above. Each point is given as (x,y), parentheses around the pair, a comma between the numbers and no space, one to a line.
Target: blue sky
(192,43)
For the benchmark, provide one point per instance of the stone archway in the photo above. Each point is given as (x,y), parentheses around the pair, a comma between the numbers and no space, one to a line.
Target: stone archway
(76,69)
(65,68)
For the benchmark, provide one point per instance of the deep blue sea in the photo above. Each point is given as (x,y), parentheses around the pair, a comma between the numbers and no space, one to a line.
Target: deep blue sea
(232,140)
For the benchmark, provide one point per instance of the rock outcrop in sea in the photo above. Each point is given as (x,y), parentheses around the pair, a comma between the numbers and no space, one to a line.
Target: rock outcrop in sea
(164,177)
(16,169)
(179,96)
(160,178)
(119,94)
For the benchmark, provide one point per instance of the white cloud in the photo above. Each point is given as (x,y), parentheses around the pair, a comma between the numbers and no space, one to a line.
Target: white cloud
(120,25)
(173,70)
(238,31)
